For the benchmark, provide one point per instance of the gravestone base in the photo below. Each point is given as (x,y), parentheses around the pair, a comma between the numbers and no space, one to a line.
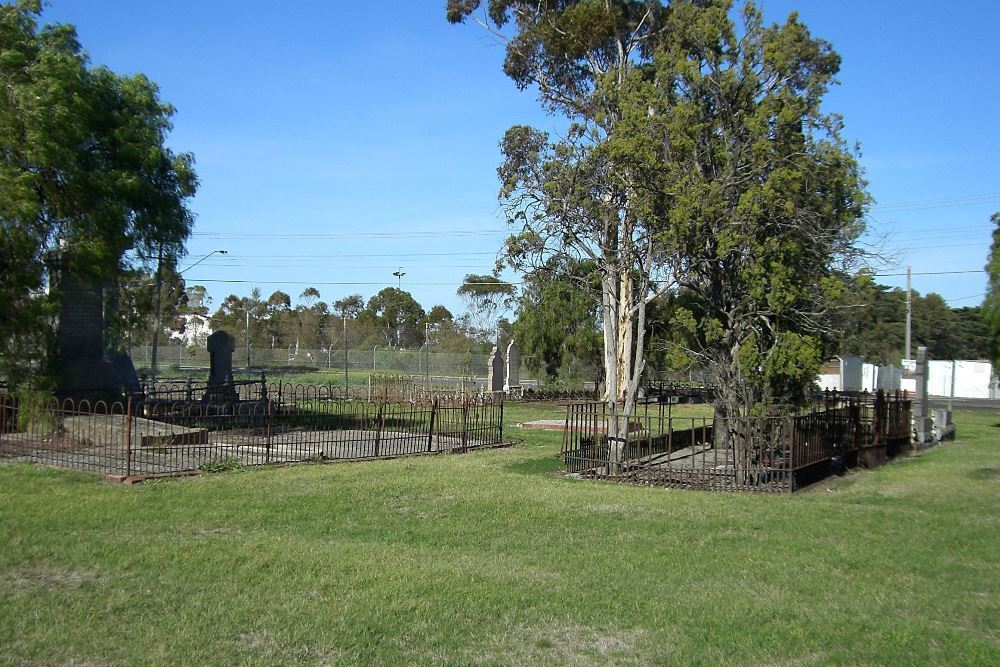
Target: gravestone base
(944,428)
(114,430)
(221,392)
(87,378)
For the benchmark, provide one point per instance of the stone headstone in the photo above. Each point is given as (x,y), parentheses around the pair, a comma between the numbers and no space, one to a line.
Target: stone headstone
(221,346)
(922,424)
(512,378)
(494,378)
(123,371)
(85,369)
(944,427)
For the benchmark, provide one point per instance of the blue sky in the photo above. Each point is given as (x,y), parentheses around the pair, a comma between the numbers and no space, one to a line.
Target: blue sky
(337,142)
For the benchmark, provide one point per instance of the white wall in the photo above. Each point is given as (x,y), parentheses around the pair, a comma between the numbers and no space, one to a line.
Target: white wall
(968,379)
(869,377)
(851,373)
(829,381)
(889,378)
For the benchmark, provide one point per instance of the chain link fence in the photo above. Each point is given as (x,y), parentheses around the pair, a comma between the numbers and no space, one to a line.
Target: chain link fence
(418,363)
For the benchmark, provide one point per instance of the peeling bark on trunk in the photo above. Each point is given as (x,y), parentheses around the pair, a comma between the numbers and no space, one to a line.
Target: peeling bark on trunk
(625,335)
(623,362)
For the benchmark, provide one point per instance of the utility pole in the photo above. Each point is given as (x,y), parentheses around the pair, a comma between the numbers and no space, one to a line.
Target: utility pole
(248,341)
(343,317)
(427,354)
(909,311)
(156,320)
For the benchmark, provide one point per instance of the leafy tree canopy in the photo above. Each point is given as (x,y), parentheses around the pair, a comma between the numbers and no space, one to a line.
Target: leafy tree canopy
(698,157)
(557,326)
(350,306)
(398,315)
(991,304)
(84,169)
(486,297)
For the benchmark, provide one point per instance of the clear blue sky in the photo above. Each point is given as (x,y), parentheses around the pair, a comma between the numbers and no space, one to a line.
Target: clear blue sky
(336,141)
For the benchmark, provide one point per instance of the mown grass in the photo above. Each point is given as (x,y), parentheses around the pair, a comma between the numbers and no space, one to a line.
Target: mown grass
(493,559)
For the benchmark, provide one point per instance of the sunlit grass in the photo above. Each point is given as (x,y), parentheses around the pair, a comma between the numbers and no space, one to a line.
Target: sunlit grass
(493,558)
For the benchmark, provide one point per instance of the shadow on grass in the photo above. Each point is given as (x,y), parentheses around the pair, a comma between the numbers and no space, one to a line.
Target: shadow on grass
(536,466)
(984,474)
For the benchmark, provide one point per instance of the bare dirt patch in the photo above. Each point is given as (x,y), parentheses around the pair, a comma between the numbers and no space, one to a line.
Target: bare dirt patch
(50,579)
(566,645)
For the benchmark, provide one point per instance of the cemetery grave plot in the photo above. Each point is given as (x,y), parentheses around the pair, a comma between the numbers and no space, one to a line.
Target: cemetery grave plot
(191,436)
(771,454)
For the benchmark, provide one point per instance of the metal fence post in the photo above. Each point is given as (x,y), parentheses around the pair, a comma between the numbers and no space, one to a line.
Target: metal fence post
(430,431)
(128,437)
(378,429)
(269,404)
(465,426)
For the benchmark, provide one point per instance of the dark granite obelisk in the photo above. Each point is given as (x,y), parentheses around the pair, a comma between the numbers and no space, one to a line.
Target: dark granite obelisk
(86,369)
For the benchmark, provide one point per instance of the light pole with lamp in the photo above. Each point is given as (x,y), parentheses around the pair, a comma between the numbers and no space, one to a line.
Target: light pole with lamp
(399,278)
(343,317)
(159,288)
(427,354)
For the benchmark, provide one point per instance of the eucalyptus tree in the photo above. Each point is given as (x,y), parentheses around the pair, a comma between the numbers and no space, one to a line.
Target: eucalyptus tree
(309,296)
(697,157)
(578,198)
(350,306)
(486,298)
(135,306)
(397,314)
(558,318)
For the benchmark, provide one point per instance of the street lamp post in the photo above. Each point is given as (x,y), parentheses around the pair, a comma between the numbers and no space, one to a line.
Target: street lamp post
(214,252)
(427,354)
(159,290)
(248,341)
(343,317)
(399,278)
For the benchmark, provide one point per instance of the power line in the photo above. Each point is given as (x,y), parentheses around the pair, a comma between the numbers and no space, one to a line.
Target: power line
(965,298)
(433,233)
(316,282)
(256,265)
(926,273)
(363,254)
(943,202)
(946,245)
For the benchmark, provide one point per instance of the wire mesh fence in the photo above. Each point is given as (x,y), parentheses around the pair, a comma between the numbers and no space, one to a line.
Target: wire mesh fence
(773,454)
(163,434)
(419,362)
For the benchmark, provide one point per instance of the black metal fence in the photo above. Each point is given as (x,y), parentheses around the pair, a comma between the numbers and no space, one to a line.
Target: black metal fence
(162,434)
(379,388)
(774,454)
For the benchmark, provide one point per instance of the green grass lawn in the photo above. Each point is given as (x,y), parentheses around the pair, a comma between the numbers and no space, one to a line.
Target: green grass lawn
(491,559)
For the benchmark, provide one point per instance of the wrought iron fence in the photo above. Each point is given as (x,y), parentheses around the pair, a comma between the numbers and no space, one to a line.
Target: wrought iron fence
(743,454)
(155,436)
(379,388)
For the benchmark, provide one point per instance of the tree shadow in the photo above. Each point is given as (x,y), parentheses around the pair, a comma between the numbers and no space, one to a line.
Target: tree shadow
(541,465)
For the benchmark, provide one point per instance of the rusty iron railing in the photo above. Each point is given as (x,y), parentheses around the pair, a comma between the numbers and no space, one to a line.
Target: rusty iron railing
(141,436)
(772,454)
